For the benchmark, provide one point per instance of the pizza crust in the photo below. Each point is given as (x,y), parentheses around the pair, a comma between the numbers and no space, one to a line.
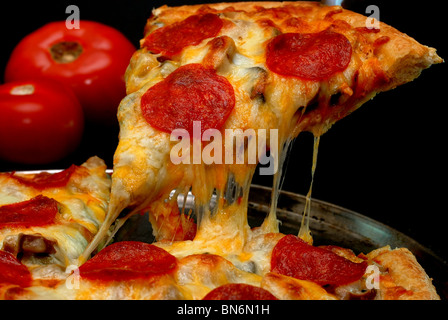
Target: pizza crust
(402,266)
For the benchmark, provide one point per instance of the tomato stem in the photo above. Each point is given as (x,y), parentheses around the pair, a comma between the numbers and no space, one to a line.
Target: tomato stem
(66,51)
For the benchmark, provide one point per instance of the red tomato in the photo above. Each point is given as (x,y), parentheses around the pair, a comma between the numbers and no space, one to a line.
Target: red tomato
(92,60)
(41,121)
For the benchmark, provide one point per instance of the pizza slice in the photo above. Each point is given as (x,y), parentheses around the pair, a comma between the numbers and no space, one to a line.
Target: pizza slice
(47,219)
(274,69)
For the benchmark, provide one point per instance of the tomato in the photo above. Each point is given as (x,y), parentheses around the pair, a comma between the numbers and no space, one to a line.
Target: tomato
(40,121)
(91,59)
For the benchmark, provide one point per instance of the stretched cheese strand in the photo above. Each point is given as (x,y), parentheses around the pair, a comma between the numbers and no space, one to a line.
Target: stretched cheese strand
(270,224)
(304,231)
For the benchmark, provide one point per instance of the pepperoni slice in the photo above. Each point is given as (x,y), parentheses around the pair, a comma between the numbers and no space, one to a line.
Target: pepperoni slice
(171,39)
(12,271)
(128,260)
(46,180)
(38,211)
(310,56)
(295,258)
(239,291)
(190,93)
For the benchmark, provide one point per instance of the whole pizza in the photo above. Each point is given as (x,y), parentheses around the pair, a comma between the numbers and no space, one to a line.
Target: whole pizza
(213,91)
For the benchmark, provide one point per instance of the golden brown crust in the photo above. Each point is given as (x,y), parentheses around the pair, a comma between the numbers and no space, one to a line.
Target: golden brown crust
(405,272)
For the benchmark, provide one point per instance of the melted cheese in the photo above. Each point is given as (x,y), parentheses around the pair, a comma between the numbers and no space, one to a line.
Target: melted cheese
(304,231)
(83,205)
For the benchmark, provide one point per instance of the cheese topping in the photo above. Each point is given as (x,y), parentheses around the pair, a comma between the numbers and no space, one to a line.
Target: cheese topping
(82,206)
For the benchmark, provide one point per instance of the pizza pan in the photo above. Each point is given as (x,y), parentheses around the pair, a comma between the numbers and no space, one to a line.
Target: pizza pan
(329,224)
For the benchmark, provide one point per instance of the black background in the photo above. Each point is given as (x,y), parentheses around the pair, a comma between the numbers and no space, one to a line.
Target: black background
(387,160)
